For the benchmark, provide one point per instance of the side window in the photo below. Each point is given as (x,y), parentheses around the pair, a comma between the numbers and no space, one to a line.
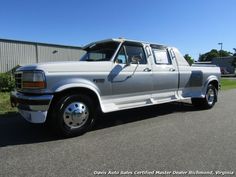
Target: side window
(96,56)
(121,57)
(161,56)
(135,51)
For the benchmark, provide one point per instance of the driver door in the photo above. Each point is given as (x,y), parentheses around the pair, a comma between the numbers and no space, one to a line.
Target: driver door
(131,82)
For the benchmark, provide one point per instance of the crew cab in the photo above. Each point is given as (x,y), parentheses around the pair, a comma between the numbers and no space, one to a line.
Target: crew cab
(113,75)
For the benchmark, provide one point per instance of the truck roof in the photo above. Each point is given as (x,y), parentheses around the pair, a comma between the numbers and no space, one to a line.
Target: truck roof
(121,40)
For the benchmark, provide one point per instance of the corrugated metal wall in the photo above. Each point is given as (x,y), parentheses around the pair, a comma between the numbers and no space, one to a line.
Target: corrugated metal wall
(17,53)
(50,53)
(12,54)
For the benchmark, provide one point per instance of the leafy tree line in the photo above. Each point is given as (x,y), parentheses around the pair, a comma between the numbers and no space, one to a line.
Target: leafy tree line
(234,51)
(213,54)
(208,56)
(189,59)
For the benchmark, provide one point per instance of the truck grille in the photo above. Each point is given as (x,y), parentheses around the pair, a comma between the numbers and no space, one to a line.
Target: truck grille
(18,80)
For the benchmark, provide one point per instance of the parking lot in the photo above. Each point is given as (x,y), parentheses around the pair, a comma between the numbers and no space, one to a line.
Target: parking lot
(169,137)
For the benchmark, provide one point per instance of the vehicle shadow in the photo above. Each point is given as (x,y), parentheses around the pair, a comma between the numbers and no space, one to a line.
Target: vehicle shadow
(14,130)
(139,114)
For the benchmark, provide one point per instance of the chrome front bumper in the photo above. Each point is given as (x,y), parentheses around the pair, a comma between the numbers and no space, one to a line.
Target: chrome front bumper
(33,108)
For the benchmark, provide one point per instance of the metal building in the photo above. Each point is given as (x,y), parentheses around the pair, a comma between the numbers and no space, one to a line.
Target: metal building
(14,52)
(225,64)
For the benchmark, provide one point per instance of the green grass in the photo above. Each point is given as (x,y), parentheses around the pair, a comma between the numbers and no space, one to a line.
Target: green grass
(5,105)
(227,84)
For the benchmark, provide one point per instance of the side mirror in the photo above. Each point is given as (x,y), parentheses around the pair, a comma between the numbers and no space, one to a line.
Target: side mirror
(136,59)
(118,61)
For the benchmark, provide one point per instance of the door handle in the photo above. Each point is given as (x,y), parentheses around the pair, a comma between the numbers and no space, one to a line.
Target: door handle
(147,70)
(172,69)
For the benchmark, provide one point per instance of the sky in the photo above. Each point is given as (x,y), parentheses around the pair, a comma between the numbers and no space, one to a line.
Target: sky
(193,26)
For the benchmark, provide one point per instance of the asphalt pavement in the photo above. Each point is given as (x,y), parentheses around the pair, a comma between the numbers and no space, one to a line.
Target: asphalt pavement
(164,139)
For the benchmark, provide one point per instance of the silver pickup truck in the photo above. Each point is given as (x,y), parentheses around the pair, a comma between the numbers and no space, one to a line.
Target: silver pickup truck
(113,75)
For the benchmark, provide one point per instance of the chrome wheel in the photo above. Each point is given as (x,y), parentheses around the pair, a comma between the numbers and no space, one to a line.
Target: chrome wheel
(210,96)
(208,101)
(75,115)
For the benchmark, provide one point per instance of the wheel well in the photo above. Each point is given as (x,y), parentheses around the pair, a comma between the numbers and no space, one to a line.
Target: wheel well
(215,84)
(84,91)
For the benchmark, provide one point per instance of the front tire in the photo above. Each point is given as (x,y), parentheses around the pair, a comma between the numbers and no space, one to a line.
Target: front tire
(73,115)
(208,101)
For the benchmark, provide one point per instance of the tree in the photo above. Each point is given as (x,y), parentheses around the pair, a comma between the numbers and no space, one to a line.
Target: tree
(189,59)
(213,54)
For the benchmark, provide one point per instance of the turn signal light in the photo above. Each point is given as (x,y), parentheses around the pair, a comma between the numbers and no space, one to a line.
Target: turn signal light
(36,85)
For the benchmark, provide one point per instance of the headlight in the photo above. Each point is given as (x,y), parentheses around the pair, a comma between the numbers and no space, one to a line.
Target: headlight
(33,80)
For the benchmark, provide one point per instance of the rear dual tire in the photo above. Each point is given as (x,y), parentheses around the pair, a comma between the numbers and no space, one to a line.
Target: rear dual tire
(208,101)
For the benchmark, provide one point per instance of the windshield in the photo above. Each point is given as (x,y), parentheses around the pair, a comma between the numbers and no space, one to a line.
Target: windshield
(100,52)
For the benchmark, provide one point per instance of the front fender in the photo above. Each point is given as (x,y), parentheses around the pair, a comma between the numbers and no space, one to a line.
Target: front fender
(77,83)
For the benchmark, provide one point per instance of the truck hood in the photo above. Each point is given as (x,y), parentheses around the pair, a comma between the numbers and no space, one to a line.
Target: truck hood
(69,66)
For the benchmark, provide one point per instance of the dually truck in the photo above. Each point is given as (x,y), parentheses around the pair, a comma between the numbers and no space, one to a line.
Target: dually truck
(112,75)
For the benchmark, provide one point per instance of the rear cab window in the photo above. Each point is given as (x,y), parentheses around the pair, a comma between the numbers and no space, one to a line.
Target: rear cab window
(161,55)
